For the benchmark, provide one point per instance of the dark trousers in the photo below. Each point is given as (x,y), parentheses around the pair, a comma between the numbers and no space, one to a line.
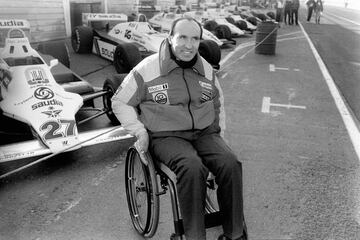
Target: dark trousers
(191,155)
(294,16)
(278,16)
(287,16)
(310,10)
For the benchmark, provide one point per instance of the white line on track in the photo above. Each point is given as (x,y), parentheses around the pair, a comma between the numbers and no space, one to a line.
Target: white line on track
(292,33)
(249,44)
(355,63)
(223,76)
(349,122)
(345,19)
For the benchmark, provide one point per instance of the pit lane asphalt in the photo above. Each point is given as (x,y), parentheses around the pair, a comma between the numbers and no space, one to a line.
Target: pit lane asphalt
(301,174)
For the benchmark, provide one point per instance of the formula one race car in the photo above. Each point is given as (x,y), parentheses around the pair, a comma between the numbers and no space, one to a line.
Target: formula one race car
(126,43)
(211,19)
(40,103)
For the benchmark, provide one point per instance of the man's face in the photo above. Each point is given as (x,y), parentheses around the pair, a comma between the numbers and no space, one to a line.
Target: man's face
(185,40)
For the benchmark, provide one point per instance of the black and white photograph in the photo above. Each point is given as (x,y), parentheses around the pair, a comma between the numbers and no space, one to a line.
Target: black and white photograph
(180,119)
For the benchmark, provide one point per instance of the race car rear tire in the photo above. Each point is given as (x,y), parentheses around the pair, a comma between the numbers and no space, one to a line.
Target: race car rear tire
(82,39)
(223,31)
(252,20)
(210,25)
(57,50)
(271,15)
(110,86)
(126,56)
(241,25)
(211,52)
(262,16)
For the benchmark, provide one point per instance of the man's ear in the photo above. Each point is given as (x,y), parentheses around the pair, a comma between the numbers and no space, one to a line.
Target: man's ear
(169,38)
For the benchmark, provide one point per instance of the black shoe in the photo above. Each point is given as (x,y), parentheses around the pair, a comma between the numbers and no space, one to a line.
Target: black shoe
(223,237)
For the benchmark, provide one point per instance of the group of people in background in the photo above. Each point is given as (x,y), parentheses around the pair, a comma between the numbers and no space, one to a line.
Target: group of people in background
(287,11)
(315,6)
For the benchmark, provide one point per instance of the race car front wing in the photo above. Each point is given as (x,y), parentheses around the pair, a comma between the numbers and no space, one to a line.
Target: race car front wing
(34,148)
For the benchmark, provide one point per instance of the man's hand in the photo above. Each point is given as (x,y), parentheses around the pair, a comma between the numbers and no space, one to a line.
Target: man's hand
(142,145)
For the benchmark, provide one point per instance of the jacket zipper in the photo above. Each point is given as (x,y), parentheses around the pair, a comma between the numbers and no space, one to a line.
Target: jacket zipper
(188,90)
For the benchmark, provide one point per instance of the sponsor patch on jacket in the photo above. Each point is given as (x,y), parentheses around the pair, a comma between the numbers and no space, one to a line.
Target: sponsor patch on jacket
(206,92)
(161,97)
(205,85)
(159,87)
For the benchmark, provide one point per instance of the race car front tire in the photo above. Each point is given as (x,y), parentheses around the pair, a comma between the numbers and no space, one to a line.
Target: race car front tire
(252,20)
(126,57)
(210,25)
(223,31)
(241,25)
(82,39)
(211,52)
(110,86)
(57,50)
(230,20)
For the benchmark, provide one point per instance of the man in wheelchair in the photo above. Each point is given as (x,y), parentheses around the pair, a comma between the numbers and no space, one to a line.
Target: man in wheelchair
(172,102)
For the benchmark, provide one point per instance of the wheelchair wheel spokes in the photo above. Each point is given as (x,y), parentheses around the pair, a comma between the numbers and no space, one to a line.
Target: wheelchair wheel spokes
(135,191)
(141,189)
(141,193)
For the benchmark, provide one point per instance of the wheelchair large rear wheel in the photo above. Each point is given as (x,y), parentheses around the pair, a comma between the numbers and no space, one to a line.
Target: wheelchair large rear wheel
(141,191)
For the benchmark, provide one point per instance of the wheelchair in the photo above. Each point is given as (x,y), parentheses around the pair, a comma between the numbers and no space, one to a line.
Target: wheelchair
(146,182)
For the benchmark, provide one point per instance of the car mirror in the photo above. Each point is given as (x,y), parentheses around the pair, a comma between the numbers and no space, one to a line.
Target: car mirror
(53,63)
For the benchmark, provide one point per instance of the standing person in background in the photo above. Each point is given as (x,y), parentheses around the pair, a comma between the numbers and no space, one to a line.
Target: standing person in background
(178,10)
(310,5)
(287,12)
(318,8)
(295,11)
(279,10)
(172,102)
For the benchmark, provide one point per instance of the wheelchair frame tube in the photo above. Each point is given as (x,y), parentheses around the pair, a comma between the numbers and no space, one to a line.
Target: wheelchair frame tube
(178,225)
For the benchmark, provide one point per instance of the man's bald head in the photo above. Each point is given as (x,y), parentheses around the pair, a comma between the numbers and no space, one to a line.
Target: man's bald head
(185,18)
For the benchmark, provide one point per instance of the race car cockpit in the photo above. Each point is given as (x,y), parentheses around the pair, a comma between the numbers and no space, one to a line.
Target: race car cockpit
(17,50)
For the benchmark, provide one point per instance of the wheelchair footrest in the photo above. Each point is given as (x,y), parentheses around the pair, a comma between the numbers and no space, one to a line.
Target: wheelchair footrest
(213,219)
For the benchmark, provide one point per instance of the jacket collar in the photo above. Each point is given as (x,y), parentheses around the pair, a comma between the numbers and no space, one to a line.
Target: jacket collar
(167,64)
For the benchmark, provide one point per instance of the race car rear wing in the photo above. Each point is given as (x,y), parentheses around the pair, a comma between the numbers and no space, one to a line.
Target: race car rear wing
(103,17)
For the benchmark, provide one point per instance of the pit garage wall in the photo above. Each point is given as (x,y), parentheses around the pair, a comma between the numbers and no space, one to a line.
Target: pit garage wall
(50,19)
(119,6)
(47,17)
